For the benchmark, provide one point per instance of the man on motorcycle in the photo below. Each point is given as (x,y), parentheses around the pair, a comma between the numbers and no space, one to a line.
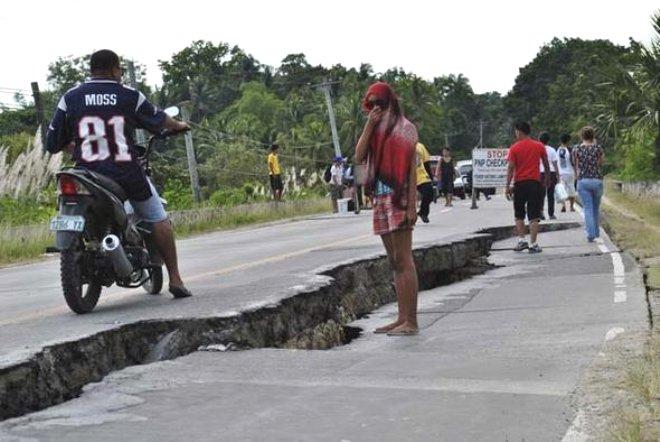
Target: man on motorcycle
(98,118)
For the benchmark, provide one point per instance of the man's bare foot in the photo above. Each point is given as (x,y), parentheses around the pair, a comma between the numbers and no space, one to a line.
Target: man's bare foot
(405,329)
(387,328)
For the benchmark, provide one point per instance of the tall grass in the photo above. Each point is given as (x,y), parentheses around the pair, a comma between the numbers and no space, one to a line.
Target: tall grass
(22,243)
(187,222)
(30,172)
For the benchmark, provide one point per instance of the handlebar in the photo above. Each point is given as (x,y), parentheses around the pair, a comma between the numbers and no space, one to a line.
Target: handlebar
(162,135)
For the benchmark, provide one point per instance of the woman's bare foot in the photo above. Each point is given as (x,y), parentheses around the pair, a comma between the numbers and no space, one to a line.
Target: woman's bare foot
(387,328)
(405,329)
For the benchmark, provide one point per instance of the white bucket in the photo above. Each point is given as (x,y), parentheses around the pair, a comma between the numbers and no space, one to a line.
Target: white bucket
(342,205)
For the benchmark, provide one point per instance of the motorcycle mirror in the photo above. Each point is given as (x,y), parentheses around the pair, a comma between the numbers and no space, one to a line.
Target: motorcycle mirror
(172,111)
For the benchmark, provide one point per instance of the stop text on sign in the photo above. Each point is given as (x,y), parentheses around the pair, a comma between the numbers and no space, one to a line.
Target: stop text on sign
(489,167)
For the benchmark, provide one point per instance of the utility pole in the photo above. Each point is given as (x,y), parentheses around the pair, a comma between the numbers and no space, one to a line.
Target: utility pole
(39,106)
(331,114)
(192,161)
(139,133)
(481,146)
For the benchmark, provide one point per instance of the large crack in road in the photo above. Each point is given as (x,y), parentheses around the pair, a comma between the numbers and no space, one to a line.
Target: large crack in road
(315,317)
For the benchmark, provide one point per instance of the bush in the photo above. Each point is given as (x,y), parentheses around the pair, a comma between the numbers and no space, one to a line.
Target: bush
(24,211)
(636,151)
(178,195)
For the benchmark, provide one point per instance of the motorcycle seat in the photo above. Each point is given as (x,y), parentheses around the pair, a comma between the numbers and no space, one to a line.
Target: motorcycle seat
(108,183)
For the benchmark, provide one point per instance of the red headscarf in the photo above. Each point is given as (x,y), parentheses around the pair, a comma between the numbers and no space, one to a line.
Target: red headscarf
(392,145)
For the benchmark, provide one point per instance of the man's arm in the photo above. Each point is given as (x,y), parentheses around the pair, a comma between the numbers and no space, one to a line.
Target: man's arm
(427,167)
(511,168)
(58,135)
(546,166)
(153,119)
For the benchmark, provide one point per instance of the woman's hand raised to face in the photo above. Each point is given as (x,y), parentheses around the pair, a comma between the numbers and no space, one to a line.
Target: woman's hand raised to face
(375,116)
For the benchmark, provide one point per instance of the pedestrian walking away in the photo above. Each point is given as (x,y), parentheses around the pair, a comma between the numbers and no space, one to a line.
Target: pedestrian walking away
(387,144)
(549,190)
(588,158)
(424,182)
(445,173)
(336,180)
(275,173)
(524,158)
(566,171)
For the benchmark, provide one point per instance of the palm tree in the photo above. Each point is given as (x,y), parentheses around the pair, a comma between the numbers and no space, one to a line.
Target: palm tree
(632,99)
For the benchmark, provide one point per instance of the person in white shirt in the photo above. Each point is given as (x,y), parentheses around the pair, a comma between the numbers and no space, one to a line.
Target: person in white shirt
(554,176)
(566,170)
(336,187)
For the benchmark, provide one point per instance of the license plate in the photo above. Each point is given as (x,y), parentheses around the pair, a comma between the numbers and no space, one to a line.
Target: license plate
(70,223)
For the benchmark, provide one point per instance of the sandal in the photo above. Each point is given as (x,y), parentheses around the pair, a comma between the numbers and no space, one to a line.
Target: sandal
(180,292)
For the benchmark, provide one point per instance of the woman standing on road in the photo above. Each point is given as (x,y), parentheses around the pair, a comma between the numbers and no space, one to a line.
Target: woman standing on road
(387,144)
(445,174)
(589,158)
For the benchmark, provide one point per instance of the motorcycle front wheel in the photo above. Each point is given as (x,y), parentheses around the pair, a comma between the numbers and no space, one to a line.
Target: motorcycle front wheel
(154,284)
(80,297)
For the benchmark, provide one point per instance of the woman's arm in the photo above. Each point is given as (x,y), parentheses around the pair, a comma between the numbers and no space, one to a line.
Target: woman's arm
(412,192)
(601,157)
(362,146)
(438,171)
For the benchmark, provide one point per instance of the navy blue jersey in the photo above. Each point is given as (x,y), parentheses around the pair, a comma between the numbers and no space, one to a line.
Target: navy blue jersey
(100,117)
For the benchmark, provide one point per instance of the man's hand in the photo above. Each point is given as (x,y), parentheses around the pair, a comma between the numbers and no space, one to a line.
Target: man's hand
(509,191)
(182,126)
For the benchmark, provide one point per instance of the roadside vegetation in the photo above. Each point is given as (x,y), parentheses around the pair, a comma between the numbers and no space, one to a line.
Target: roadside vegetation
(634,225)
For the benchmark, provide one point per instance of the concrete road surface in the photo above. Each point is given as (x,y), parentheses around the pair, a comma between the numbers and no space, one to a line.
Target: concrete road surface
(497,358)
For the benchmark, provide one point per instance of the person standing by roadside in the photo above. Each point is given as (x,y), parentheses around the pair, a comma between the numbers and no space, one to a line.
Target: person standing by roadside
(566,170)
(336,186)
(424,183)
(524,158)
(589,157)
(275,173)
(387,144)
(445,173)
(549,190)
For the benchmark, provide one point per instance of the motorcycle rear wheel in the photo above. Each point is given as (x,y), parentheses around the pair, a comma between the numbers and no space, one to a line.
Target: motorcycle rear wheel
(80,299)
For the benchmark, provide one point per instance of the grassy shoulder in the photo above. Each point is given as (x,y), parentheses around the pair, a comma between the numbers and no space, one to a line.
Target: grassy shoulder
(26,243)
(634,224)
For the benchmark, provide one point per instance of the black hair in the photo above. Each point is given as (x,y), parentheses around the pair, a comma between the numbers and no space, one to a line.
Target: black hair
(274,146)
(565,138)
(544,137)
(103,61)
(523,127)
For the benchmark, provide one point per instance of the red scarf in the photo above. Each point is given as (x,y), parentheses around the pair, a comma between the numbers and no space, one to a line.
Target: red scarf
(391,151)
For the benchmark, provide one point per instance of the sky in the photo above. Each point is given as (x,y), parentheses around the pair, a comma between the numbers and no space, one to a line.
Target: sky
(486,41)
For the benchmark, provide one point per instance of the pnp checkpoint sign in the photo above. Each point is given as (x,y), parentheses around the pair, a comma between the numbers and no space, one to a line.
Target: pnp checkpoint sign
(489,167)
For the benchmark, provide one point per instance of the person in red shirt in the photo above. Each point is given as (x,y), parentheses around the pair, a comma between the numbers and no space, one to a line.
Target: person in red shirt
(525,157)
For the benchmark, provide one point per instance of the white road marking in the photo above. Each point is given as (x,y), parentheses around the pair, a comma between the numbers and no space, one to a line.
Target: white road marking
(574,432)
(613,333)
(446,210)
(617,262)
(620,280)
(620,296)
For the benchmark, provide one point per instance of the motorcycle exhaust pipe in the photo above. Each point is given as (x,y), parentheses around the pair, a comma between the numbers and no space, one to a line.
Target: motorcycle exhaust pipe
(112,247)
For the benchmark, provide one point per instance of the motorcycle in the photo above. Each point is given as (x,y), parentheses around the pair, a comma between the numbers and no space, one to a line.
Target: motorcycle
(99,240)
